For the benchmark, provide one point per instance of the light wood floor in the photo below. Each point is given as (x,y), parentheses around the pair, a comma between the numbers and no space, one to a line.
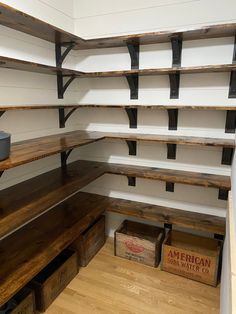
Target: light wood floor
(111,285)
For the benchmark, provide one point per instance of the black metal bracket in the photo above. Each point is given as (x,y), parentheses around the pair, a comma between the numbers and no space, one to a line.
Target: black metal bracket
(227,156)
(168,226)
(133,117)
(223,194)
(134,54)
(64,117)
(173,119)
(230,123)
(60,56)
(61,86)
(176,43)
(170,187)
(64,157)
(2,112)
(171,151)
(132,147)
(131,181)
(219,237)
(174,85)
(133,81)
(232,83)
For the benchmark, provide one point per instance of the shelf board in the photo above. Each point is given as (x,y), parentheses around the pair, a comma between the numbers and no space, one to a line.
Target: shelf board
(20,21)
(118,106)
(38,148)
(28,151)
(161,214)
(23,202)
(16,64)
(41,241)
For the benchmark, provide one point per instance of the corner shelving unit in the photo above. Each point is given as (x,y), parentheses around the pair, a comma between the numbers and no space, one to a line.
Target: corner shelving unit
(27,214)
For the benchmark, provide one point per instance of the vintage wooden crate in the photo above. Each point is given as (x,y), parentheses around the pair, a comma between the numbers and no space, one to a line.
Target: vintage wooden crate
(191,256)
(53,279)
(22,303)
(90,242)
(139,242)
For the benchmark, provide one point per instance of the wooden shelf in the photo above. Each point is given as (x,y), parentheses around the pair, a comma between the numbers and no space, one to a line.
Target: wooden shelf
(25,201)
(161,214)
(38,148)
(41,241)
(34,149)
(23,22)
(16,64)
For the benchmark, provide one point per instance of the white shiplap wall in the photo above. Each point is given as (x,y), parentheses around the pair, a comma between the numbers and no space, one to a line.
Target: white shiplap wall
(129,16)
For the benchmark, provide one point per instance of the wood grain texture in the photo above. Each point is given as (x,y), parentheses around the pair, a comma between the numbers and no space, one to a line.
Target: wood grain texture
(25,201)
(28,24)
(114,285)
(16,64)
(34,149)
(121,106)
(41,241)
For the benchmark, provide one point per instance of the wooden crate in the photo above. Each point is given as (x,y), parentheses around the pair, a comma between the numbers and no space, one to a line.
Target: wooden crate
(139,242)
(90,242)
(191,256)
(22,303)
(53,279)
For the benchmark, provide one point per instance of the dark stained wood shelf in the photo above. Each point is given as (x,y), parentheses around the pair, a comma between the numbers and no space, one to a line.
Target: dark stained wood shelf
(16,64)
(23,22)
(23,202)
(162,214)
(38,148)
(26,252)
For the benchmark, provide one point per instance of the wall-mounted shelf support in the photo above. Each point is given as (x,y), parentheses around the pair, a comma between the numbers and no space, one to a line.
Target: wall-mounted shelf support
(133,117)
(131,181)
(134,55)
(171,151)
(133,85)
(173,119)
(232,83)
(132,147)
(174,85)
(168,226)
(61,86)
(176,43)
(1,113)
(64,157)
(64,117)
(60,56)
(223,194)
(230,124)
(227,156)
(170,187)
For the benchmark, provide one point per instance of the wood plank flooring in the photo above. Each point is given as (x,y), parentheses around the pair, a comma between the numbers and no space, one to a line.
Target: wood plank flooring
(111,285)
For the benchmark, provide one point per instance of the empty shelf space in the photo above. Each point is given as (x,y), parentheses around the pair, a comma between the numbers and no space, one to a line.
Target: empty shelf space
(13,18)
(37,148)
(161,214)
(25,201)
(41,241)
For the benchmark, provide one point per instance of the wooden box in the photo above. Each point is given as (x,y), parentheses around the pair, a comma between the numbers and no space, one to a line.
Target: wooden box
(22,303)
(191,256)
(139,242)
(90,242)
(53,279)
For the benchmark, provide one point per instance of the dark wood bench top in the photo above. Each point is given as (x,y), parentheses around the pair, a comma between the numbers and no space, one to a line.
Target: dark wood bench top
(23,22)
(124,106)
(26,252)
(23,202)
(162,214)
(16,64)
(34,149)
